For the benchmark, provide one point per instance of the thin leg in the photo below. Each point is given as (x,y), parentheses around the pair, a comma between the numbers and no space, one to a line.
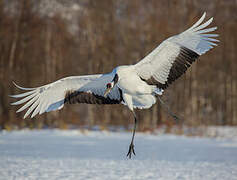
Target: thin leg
(131,146)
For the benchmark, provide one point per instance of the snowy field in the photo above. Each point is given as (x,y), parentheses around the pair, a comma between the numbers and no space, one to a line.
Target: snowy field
(55,154)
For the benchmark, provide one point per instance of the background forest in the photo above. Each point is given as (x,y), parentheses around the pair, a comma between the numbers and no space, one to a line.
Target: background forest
(42,41)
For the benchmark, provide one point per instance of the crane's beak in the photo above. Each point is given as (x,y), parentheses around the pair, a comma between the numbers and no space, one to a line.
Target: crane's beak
(107,92)
(114,81)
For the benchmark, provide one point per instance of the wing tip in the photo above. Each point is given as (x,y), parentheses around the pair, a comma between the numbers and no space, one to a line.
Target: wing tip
(25,116)
(204,14)
(22,88)
(200,24)
(32,115)
(19,110)
(210,20)
(13,104)
(19,87)
(215,28)
(11,96)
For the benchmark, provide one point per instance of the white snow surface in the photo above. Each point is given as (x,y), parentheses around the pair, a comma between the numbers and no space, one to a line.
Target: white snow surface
(71,154)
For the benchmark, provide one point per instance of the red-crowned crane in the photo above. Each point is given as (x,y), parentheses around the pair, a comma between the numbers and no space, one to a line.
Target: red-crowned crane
(135,86)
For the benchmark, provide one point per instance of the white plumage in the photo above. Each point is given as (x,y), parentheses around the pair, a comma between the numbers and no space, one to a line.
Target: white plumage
(51,97)
(160,60)
(135,86)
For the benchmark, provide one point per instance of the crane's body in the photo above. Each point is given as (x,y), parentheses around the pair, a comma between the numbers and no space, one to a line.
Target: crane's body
(138,94)
(135,86)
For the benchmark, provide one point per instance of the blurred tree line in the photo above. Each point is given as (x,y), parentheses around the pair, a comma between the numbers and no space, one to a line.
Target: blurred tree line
(39,45)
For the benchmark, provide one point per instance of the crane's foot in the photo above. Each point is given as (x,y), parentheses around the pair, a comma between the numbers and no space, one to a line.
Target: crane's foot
(131,151)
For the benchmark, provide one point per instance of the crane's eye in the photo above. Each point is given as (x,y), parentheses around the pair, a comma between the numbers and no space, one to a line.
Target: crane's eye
(108,85)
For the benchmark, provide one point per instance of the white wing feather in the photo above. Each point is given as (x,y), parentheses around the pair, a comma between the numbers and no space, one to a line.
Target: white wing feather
(50,97)
(158,63)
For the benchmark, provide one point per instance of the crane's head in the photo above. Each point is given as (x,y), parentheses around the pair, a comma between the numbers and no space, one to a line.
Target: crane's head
(110,85)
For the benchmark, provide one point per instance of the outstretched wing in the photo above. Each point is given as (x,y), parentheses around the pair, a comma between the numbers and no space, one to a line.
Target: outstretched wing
(173,56)
(76,89)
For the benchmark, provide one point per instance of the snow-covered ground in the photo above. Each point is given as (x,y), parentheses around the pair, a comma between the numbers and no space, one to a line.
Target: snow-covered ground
(56,154)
